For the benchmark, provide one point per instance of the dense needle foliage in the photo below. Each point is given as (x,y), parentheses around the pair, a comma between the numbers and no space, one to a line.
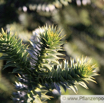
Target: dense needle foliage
(39,66)
(32,69)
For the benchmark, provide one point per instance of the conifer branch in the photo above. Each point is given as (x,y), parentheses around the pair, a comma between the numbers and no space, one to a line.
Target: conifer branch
(68,76)
(14,51)
(36,65)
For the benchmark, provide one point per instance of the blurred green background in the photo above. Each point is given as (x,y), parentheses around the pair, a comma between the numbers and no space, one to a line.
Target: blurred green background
(82,22)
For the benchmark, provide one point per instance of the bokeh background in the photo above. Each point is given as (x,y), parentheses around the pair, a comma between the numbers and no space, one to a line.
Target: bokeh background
(82,22)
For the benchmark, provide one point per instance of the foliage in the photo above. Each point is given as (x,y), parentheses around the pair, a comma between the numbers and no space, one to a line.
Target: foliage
(38,66)
(82,23)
